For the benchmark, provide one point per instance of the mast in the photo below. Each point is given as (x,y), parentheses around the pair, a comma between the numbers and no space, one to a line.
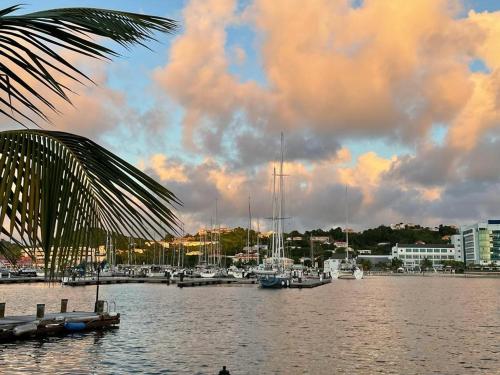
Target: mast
(258,244)
(273,239)
(248,229)
(281,209)
(312,252)
(346,226)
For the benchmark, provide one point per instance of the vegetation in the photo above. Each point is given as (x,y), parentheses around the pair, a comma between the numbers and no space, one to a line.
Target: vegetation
(11,251)
(33,47)
(58,189)
(425,264)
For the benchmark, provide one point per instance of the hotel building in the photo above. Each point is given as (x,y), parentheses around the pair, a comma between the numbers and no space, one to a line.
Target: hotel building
(481,242)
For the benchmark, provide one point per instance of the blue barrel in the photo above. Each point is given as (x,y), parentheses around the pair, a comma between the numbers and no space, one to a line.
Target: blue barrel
(75,326)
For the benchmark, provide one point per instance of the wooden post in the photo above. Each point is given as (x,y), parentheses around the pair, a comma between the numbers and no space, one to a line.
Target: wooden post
(2,310)
(40,310)
(64,305)
(99,307)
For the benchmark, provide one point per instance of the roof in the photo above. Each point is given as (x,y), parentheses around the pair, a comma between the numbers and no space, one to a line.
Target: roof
(427,245)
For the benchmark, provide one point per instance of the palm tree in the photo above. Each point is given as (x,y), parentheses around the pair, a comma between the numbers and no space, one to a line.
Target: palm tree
(31,46)
(59,190)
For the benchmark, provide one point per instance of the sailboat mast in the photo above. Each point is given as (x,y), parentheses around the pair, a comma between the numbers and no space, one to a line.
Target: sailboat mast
(273,242)
(281,207)
(248,229)
(346,226)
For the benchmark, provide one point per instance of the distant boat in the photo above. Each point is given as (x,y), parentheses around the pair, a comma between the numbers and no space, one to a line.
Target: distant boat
(339,268)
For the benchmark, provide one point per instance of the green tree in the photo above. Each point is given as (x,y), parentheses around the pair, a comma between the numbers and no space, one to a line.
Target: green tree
(58,188)
(425,264)
(366,264)
(396,263)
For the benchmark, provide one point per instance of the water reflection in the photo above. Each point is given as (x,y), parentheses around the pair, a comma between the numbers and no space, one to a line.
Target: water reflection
(410,325)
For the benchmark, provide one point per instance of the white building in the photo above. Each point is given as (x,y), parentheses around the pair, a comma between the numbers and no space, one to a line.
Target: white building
(457,242)
(413,254)
(481,242)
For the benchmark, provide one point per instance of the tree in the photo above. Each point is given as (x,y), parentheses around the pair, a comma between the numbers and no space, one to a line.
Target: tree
(366,264)
(396,263)
(59,189)
(425,264)
(32,52)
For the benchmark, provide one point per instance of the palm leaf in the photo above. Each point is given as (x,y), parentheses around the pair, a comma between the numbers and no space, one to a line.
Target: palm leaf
(30,46)
(59,190)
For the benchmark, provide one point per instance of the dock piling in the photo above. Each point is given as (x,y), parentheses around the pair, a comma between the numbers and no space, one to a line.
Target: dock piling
(64,305)
(2,310)
(40,310)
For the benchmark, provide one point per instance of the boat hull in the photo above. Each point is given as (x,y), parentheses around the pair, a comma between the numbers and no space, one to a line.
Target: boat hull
(274,282)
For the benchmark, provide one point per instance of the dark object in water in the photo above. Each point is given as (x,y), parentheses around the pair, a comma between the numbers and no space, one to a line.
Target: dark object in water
(224,371)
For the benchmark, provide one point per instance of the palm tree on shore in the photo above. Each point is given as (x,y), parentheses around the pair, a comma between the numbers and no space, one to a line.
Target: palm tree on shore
(59,189)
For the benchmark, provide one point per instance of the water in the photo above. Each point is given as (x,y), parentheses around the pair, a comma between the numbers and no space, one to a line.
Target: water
(379,325)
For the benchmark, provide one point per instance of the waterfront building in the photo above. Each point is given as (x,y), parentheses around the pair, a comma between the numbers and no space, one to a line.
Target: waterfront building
(413,254)
(481,242)
(457,241)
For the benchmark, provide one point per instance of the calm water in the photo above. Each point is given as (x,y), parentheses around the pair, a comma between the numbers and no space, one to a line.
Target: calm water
(394,325)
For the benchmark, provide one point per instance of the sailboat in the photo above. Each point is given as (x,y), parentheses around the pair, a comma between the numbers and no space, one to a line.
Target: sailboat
(214,258)
(275,273)
(347,269)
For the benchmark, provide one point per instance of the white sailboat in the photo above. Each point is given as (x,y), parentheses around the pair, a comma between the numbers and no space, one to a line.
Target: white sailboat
(214,258)
(276,274)
(347,269)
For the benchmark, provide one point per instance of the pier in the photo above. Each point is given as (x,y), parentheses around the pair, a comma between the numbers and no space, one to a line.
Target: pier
(204,282)
(309,283)
(40,324)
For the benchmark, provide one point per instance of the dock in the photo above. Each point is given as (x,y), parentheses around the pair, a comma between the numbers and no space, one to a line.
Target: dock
(120,280)
(205,282)
(309,283)
(23,327)
(22,280)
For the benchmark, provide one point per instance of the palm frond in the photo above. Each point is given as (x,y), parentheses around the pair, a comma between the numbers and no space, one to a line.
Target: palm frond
(58,190)
(31,45)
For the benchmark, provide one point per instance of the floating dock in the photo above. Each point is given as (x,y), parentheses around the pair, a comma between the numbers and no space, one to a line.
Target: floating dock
(22,280)
(204,282)
(309,283)
(120,280)
(40,325)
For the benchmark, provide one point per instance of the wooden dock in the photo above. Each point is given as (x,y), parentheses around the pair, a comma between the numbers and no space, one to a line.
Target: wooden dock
(309,283)
(120,280)
(222,281)
(39,325)
(21,280)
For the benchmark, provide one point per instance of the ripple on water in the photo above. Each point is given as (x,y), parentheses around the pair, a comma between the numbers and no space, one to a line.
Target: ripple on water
(378,325)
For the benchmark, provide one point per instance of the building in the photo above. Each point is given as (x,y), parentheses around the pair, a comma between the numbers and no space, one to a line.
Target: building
(245,257)
(321,239)
(481,242)
(413,254)
(456,241)
(340,244)
(374,259)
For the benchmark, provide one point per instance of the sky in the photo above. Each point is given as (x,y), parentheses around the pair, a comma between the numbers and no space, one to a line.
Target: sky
(397,100)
